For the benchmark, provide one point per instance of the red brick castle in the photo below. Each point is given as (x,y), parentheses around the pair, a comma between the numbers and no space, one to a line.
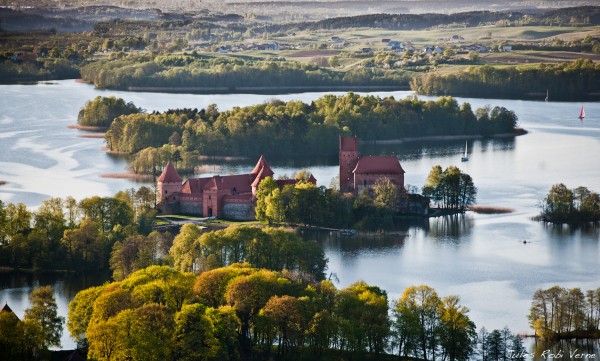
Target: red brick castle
(231,197)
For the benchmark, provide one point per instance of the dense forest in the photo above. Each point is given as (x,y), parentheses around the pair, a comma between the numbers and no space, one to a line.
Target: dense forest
(63,234)
(98,233)
(577,80)
(196,73)
(293,128)
(243,312)
(582,14)
(573,206)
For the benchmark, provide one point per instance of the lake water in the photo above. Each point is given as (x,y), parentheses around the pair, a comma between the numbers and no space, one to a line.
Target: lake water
(479,257)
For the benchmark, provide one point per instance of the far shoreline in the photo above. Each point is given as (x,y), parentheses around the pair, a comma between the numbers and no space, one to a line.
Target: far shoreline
(518,132)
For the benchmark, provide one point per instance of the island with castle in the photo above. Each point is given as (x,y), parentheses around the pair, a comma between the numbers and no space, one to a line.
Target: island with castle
(234,196)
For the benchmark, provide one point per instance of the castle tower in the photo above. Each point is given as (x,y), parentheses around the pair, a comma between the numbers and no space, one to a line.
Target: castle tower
(348,161)
(260,172)
(168,184)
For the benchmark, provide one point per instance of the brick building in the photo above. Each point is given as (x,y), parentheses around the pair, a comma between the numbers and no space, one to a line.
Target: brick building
(231,197)
(358,172)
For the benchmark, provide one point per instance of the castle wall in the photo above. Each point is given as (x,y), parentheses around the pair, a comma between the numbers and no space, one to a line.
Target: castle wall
(191,207)
(371,178)
(238,211)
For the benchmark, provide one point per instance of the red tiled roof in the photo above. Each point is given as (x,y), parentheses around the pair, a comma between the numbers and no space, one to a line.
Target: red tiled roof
(7,308)
(379,164)
(260,165)
(169,175)
(194,185)
(283,182)
(240,182)
(349,144)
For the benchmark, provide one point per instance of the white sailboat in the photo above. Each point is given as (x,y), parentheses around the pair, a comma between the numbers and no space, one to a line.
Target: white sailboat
(546,96)
(465,157)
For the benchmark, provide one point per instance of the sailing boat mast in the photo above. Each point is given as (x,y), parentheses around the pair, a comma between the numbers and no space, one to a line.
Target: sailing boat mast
(581,113)
(465,158)
(546,96)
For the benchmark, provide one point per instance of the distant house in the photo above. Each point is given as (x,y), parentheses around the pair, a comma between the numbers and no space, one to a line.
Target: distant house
(505,48)
(395,46)
(271,47)
(456,39)
(366,50)
(337,39)
(476,47)
(438,50)
(385,40)
(223,49)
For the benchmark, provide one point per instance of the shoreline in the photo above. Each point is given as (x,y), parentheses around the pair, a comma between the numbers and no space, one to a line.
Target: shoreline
(518,132)
(128,175)
(89,128)
(269,90)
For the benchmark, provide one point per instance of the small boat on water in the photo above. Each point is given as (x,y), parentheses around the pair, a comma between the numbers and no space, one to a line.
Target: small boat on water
(546,96)
(347,232)
(465,158)
(581,113)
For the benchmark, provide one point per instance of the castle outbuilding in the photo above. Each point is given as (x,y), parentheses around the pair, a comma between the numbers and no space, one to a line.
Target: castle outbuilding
(231,197)
(357,173)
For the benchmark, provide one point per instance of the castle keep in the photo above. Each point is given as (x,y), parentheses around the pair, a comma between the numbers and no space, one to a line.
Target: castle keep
(357,173)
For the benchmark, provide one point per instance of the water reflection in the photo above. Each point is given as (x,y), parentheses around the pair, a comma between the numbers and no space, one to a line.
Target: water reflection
(15,289)
(450,227)
(565,350)
(416,150)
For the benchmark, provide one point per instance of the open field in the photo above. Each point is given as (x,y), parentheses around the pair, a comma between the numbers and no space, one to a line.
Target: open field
(524,57)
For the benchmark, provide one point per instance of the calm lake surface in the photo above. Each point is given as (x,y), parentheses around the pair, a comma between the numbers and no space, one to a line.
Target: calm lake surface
(479,257)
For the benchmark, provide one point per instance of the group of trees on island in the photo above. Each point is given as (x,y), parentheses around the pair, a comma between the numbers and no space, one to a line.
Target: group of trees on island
(243,312)
(304,203)
(559,312)
(101,111)
(288,129)
(574,206)
(450,188)
(564,81)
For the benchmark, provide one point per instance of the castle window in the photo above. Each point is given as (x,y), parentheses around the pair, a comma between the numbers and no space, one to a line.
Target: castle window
(166,191)
(365,182)
(209,197)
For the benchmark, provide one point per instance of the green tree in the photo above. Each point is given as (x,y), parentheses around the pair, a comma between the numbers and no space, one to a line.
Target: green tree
(102,110)
(80,312)
(417,316)
(194,335)
(364,323)
(457,331)
(44,312)
(185,251)
(386,193)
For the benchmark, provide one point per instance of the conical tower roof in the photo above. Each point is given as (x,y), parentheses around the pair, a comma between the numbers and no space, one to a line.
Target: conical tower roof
(169,175)
(262,167)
